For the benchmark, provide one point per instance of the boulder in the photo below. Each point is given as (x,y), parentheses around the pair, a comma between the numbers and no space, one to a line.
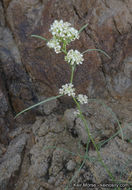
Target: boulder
(10,163)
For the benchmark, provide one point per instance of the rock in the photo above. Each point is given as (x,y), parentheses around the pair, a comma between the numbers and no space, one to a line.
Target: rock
(46,133)
(71,165)
(69,117)
(44,125)
(2,19)
(12,72)
(16,145)
(123,109)
(105,26)
(99,128)
(49,77)
(3,132)
(116,154)
(15,132)
(51,180)
(127,131)
(41,188)
(43,168)
(3,104)
(11,166)
(6,3)
(50,156)
(6,118)
(81,130)
(25,186)
(49,106)
(2,150)
(10,163)
(54,156)
(37,124)
(13,69)
(30,72)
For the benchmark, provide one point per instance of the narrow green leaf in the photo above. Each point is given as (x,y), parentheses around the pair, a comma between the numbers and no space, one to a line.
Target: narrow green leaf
(42,102)
(83,27)
(40,37)
(99,51)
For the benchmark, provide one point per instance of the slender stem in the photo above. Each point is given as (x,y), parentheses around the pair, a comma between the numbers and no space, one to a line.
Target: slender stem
(64,48)
(65,52)
(81,115)
(89,135)
(72,73)
(72,67)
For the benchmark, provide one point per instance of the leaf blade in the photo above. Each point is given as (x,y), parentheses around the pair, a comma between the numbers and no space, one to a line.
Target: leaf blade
(40,37)
(97,50)
(83,27)
(35,105)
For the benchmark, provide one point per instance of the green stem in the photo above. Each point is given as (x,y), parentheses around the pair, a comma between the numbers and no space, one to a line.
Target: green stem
(72,73)
(64,48)
(89,135)
(64,51)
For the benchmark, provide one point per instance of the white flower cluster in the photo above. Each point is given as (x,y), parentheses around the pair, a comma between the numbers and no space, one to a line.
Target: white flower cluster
(60,29)
(53,43)
(67,89)
(83,99)
(61,32)
(74,57)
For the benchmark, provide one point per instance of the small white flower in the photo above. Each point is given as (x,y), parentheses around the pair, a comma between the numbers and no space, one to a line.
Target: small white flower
(54,43)
(67,89)
(74,57)
(60,29)
(76,113)
(83,99)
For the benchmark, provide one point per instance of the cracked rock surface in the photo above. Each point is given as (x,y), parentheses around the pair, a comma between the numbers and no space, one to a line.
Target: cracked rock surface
(48,153)
(11,162)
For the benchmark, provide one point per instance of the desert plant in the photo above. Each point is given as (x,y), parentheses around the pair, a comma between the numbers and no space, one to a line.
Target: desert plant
(62,34)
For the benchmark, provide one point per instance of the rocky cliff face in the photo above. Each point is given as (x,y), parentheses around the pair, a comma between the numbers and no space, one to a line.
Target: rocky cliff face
(31,72)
